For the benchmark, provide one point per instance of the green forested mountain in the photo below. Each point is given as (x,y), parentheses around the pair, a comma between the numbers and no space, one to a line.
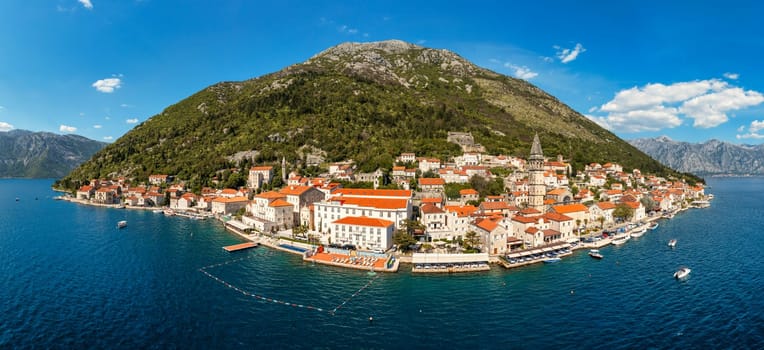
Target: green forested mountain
(42,154)
(366,102)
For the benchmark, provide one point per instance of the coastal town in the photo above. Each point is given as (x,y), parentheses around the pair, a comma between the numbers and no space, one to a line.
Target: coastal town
(436,215)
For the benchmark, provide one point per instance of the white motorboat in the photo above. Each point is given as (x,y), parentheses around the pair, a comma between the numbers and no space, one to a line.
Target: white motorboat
(672,243)
(620,239)
(595,253)
(639,231)
(122,224)
(653,226)
(683,272)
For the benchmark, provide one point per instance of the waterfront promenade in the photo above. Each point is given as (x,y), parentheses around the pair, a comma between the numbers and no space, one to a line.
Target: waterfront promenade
(391,262)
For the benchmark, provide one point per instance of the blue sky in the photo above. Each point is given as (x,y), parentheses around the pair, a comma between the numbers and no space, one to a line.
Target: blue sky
(689,69)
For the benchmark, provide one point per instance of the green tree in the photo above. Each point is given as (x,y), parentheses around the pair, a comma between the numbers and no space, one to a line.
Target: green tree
(403,239)
(299,231)
(623,212)
(648,203)
(471,240)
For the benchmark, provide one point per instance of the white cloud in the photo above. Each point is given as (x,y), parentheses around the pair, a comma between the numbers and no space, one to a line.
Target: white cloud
(86,4)
(125,105)
(654,119)
(107,85)
(731,76)
(97,126)
(711,109)
(132,121)
(67,129)
(741,128)
(108,138)
(5,126)
(521,72)
(756,125)
(569,55)
(657,106)
(547,59)
(656,94)
(2,108)
(751,135)
(345,29)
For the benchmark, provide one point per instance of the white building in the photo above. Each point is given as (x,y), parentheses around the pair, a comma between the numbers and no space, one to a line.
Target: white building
(225,206)
(259,175)
(393,205)
(363,232)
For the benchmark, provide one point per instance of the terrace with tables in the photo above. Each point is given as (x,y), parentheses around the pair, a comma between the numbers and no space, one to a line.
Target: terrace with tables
(535,255)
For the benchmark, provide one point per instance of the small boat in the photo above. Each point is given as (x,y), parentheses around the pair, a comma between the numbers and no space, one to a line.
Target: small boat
(122,224)
(595,253)
(700,204)
(620,239)
(17,199)
(169,212)
(653,226)
(638,232)
(683,272)
(552,260)
(672,243)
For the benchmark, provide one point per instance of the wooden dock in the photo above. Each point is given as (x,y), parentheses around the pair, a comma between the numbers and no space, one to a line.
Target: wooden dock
(236,247)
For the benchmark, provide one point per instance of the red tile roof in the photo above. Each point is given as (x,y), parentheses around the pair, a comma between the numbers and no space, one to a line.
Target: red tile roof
(280,203)
(606,205)
(294,190)
(488,225)
(524,219)
(370,192)
(364,221)
(270,195)
(431,209)
(380,203)
(431,181)
(569,208)
(557,217)
(230,200)
(461,210)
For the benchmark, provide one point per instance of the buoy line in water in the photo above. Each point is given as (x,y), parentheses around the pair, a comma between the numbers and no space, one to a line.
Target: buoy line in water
(276,301)
(354,294)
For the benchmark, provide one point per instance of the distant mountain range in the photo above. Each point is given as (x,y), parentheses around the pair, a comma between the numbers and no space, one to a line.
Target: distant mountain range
(712,157)
(42,154)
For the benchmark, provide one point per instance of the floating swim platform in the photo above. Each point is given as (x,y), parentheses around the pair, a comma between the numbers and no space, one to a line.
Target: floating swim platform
(242,246)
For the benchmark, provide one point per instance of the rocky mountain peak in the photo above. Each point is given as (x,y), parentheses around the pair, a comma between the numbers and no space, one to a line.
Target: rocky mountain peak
(394,61)
(709,158)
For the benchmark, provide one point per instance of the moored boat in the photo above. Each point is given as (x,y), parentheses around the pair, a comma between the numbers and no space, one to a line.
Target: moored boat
(595,253)
(638,232)
(653,226)
(552,260)
(700,204)
(672,243)
(122,224)
(683,272)
(620,239)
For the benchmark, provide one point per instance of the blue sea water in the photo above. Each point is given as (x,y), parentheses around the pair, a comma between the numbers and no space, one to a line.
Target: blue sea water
(70,279)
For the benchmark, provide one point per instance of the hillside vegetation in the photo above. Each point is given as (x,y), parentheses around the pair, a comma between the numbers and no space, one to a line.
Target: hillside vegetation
(365,102)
